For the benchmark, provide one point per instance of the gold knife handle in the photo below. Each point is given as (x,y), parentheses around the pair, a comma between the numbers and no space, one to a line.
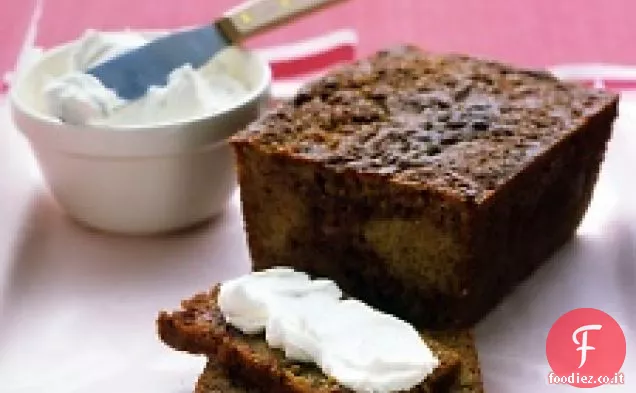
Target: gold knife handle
(255,16)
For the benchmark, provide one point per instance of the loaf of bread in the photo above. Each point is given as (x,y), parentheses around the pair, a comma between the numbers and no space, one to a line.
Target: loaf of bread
(426,185)
(199,328)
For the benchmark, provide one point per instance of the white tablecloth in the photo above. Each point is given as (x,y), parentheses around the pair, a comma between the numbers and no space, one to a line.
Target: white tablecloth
(77,308)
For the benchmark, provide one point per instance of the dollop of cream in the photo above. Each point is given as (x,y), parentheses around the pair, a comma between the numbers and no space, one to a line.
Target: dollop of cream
(362,348)
(80,98)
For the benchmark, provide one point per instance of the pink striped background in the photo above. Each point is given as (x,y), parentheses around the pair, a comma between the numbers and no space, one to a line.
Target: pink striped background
(534,33)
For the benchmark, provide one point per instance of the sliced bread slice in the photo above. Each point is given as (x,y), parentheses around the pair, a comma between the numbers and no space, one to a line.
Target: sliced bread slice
(214,379)
(199,328)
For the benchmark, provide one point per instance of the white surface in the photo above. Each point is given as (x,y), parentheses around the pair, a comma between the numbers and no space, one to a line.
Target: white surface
(144,179)
(77,307)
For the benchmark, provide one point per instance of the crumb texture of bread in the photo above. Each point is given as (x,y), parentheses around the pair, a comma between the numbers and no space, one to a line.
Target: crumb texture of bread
(199,328)
(463,343)
(427,185)
(214,379)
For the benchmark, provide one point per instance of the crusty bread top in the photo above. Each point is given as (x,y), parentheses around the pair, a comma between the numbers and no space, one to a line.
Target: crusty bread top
(449,123)
(199,328)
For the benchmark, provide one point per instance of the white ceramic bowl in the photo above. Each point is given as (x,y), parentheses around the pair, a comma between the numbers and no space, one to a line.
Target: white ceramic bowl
(138,180)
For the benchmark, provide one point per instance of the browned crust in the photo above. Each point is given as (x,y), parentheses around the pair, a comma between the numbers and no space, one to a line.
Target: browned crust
(198,327)
(340,118)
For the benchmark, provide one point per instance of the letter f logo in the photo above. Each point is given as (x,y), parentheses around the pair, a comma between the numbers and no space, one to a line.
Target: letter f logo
(584,347)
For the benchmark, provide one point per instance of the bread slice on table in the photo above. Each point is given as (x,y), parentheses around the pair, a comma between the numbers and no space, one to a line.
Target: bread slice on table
(199,328)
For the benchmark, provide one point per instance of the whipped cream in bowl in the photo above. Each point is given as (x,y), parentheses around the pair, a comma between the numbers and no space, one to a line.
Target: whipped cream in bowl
(155,164)
(79,98)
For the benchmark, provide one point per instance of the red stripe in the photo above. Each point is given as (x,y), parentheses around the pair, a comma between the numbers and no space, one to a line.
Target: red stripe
(618,85)
(283,69)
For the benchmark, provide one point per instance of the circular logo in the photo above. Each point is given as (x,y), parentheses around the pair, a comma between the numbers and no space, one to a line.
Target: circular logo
(585,348)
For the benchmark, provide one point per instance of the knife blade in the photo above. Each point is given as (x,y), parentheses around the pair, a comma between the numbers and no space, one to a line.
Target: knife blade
(132,73)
